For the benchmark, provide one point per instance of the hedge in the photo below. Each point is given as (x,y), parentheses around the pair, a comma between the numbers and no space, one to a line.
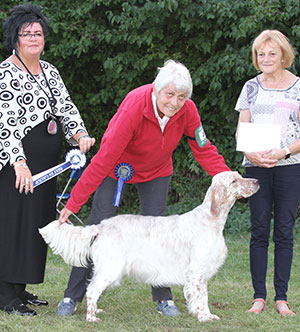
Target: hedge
(105,48)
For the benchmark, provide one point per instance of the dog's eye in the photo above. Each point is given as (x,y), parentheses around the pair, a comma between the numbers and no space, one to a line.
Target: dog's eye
(234,181)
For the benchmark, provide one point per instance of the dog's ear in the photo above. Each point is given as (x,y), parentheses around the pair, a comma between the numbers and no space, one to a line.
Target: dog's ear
(215,204)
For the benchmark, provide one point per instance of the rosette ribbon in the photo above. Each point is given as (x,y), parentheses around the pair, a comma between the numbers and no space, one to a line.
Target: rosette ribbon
(124,172)
(74,159)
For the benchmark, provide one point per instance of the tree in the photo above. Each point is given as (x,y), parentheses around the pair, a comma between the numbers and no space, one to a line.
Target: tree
(105,48)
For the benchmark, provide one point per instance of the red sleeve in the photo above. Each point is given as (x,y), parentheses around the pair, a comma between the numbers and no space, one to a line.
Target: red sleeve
(207,156)
(115,139)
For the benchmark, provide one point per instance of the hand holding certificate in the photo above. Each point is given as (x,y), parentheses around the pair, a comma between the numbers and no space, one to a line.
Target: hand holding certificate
(260,143)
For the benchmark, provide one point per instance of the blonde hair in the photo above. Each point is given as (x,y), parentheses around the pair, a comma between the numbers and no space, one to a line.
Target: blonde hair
(280,39)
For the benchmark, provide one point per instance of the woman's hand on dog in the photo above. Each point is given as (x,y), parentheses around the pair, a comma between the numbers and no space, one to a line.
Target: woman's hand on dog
(64,216)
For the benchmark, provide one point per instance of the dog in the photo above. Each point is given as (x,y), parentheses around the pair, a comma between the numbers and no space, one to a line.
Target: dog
(184,250)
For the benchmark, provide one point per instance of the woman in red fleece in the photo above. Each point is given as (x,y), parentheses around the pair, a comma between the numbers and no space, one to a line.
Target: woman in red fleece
(140,140)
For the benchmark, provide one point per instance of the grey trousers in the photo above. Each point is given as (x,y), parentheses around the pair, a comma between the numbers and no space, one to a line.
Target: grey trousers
(153,197)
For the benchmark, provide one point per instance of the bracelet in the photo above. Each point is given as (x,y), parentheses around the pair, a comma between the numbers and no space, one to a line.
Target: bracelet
(82,136)
(21,164)
(287,152)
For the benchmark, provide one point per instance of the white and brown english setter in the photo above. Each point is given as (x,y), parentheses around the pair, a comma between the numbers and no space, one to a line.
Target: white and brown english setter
(182,249)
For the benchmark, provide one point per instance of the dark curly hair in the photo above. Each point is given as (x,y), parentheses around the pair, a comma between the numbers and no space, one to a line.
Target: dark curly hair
(21,15)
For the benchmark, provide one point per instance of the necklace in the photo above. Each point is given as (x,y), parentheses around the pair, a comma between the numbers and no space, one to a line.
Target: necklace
(52,125)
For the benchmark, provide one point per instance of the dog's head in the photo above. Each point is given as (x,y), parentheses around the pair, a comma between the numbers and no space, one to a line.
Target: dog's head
(227,187)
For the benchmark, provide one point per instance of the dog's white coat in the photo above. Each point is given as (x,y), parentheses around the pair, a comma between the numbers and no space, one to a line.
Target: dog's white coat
(182,249)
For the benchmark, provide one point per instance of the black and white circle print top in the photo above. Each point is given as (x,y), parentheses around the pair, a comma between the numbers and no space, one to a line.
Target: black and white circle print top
(23,105)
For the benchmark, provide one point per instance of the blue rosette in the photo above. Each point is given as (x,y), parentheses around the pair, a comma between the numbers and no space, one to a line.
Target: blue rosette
(75,159)
(124,172)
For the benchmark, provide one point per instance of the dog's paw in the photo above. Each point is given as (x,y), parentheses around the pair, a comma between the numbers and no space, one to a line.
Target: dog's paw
(205,318)
(99,311)
(92,319)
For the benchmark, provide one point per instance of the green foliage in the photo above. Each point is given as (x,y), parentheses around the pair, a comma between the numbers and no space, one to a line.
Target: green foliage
(238,221)
(105,48)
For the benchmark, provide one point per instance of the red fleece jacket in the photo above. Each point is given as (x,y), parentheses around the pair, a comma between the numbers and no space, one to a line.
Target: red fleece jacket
(134,136)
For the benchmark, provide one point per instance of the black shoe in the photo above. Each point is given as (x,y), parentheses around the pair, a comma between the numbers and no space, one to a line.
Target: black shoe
(17,307)
(32,299)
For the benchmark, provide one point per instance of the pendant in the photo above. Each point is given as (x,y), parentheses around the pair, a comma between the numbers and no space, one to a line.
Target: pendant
(52,127)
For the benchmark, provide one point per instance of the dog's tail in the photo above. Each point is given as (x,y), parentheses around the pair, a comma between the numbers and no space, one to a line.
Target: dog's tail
(72,243)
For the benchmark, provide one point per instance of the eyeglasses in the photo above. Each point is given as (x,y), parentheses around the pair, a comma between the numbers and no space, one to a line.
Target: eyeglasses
(27,36)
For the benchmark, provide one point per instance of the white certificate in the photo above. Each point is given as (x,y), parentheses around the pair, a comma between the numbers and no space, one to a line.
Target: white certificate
(254,137)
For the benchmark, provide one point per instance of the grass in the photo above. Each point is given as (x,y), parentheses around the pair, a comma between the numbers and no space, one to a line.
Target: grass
(130,308)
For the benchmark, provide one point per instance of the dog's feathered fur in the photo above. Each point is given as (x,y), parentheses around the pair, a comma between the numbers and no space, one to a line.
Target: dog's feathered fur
(182,249)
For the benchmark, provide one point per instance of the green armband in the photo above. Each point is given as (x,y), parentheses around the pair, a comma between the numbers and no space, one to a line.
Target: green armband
(200,136)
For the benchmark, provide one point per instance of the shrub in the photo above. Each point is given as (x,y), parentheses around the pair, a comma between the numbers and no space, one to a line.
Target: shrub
(105,48)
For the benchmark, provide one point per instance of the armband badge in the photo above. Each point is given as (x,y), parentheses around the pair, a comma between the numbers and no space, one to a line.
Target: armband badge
(200,136)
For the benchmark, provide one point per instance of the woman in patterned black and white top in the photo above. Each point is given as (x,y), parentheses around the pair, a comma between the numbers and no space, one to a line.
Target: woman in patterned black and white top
(35,110)
(273,97)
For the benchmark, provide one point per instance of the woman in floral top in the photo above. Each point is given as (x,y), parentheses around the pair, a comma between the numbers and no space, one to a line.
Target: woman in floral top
(273,97)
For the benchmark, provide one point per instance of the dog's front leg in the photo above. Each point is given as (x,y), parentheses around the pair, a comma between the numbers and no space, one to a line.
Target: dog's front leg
(91,310)
(93,293)
(195,292)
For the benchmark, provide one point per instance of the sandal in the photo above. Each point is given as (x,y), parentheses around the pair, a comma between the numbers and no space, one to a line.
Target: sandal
(258,310)
(284,312)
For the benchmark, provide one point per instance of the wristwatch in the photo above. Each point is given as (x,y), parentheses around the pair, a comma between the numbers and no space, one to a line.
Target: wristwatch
(287,153)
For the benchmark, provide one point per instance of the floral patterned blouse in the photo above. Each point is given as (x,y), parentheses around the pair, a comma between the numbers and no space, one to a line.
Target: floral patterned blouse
(274,106)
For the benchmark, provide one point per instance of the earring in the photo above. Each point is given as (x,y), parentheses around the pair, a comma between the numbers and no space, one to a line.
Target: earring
(13,51)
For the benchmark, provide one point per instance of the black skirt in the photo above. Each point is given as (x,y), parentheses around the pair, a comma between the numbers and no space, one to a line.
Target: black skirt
(22,250)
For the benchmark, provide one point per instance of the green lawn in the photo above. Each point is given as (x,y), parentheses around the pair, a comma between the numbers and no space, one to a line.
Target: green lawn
(130,308)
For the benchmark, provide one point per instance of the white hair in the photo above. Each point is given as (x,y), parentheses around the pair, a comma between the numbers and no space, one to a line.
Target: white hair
(174,73)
